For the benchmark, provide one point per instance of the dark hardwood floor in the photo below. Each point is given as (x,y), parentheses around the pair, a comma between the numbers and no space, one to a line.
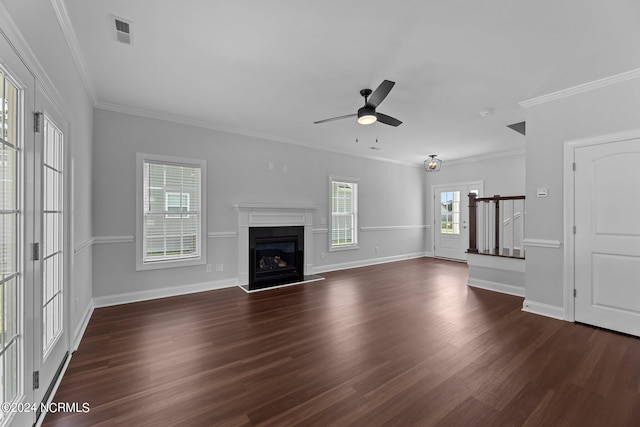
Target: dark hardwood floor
(406,343)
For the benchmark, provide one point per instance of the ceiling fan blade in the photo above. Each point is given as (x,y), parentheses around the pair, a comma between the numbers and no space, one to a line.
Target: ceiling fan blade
(388,120)
(380,93)
(335,118)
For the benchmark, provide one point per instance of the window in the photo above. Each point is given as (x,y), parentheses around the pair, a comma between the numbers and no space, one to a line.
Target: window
(171,212)
(344,213)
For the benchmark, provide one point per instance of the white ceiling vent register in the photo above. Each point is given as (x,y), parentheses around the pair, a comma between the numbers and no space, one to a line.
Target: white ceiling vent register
(122,30)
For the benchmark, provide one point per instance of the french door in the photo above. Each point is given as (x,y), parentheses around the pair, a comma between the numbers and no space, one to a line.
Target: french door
(33,242)
(51,338)
(451,232)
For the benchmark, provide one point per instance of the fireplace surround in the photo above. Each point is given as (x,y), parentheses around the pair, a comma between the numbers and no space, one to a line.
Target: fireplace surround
(260,216)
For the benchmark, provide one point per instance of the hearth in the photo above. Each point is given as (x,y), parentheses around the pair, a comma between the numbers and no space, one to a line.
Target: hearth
(276,256)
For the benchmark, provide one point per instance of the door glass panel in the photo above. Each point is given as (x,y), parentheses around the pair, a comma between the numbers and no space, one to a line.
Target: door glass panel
(52,223)
(10,279)
(450,212)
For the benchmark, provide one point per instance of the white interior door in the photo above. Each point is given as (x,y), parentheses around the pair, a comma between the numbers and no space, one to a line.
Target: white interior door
(607,240)
(451,220)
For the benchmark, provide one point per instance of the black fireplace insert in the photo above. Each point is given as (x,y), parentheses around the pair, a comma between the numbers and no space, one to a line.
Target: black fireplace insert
(276,256)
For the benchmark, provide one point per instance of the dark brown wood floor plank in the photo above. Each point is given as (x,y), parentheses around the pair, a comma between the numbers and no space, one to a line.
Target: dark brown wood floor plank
(405,343)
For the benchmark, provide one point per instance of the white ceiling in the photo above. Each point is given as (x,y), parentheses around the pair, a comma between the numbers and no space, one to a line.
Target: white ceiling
(272,68)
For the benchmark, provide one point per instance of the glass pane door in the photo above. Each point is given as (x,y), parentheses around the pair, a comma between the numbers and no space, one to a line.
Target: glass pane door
(10,216)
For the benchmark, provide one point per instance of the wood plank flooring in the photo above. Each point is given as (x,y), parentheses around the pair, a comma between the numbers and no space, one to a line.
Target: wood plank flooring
(406,343)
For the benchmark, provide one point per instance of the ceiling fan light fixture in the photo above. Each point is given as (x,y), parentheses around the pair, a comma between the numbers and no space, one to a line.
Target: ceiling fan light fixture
(367,116)
(432,164)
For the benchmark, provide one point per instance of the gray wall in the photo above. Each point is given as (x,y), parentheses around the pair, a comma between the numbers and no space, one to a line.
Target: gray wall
(602,111)
(40,29)
(390,195)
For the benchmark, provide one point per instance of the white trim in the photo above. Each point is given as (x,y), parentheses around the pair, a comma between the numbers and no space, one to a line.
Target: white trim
(99,240)
(429,254)
(395,228)
(517,265)
(82,326)
(201,258)
(586,87)
(54,389)
(355,204)
(543,309)
(503,288)
(568,211)
(74,47)
(152,294)
(542,243)
(366,263)
(320,230)
(80,247)
(222,234)
(23,51)
(483,157)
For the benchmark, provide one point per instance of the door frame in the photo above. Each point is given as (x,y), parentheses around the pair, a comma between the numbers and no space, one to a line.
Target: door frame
(434,188)
(569,209)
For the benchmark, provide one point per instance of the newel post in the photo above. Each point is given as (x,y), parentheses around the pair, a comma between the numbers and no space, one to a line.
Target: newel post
(497,225)
(473,245)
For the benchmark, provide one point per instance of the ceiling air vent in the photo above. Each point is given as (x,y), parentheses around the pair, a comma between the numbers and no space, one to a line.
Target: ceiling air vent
(122,30)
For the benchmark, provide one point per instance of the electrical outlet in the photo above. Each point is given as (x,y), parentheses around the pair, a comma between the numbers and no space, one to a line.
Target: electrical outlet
(377,249)
(219,267)
(322,255)
(209,268)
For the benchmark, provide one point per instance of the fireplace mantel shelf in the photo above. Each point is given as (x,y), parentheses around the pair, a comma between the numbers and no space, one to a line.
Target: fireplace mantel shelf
(250,206)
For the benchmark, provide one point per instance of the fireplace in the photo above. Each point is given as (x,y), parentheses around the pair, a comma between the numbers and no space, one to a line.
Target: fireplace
(276,256)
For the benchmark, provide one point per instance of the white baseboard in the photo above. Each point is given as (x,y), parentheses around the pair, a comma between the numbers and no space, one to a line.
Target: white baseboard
(497,287)
(366,262)
(543,309)
(82,326)
(129,297)
(429,254)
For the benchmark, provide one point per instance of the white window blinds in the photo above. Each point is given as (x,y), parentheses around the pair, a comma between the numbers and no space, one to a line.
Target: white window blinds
(172,211)
(344,219)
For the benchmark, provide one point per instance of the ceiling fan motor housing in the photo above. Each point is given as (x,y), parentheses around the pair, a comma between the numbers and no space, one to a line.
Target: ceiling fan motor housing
(366,115)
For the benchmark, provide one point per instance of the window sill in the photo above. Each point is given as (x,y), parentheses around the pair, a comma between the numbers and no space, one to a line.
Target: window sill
(157,265)
(343,248)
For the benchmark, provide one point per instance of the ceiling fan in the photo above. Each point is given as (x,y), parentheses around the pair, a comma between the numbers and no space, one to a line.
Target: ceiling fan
(367,114)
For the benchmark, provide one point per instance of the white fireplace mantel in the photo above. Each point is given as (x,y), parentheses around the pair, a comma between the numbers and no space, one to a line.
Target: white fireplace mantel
(272,215)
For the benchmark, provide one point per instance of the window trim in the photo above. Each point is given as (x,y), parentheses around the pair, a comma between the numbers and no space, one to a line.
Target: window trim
(356,229)
(171,263)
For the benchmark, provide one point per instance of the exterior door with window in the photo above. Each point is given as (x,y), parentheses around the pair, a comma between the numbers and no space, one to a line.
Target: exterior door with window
(51,336)
(607,239)
(451,233)
(16,233)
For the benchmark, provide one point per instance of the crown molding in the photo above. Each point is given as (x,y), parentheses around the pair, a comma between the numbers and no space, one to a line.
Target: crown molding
(20,46)
(586,87)
(74,47)
(472,159)
(235,131)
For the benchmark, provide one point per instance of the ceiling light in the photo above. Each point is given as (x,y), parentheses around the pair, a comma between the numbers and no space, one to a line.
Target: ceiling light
(432,164)
(366,116)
